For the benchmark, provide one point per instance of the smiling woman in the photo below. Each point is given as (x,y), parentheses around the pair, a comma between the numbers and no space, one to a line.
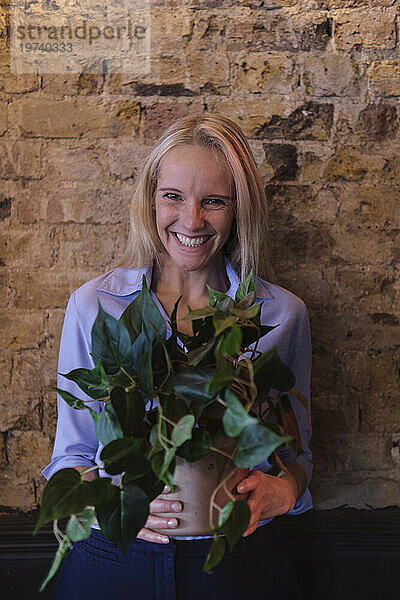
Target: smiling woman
(198,218)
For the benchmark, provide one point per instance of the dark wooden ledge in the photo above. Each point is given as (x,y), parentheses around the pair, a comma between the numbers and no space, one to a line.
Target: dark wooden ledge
(338,554)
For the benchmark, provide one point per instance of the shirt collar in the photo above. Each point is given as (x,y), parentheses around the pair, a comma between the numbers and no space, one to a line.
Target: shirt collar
(124,282)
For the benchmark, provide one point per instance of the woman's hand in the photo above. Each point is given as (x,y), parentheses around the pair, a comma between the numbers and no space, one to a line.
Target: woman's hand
(268,496)
(160,505)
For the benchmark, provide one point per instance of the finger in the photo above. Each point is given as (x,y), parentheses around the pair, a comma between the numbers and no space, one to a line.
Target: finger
(155,522)
(248,484)
(159,506)
(152,536)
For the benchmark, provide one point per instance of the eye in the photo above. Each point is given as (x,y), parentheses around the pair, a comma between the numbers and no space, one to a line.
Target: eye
(169,194)
(215,202)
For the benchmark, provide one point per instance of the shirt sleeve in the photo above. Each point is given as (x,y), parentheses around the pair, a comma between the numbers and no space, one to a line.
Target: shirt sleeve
(299,361)
(298,358)
(75,442)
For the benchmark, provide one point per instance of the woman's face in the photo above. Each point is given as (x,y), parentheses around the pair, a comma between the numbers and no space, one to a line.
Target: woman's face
(194,206)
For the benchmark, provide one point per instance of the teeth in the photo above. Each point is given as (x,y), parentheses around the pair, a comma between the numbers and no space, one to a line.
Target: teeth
(192,242)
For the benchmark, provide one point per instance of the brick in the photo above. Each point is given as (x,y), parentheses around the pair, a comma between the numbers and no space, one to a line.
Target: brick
(28,453)
(88,202)
(125,157)
(5,207)
(21,331)
(47,289)
(18,495)
(35,242)
(73,118)
(378,121)
(71,164)
(300,202)
(158,116)
(310,121)
(302,244)
(355,245)
(368,29)
(58,85)
(384,77)
(21,83)
(278,30)
(330,75)
(283,160)
(251,113)
(369,373)
(352,164)
(20,159)
(370,204)
(3,117)
(380,413)
(85,246)
(256,72)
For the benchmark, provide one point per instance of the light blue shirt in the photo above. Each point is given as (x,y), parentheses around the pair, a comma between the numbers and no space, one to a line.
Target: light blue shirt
(76,443)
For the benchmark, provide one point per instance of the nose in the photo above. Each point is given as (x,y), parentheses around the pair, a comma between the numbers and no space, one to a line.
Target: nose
(193,217)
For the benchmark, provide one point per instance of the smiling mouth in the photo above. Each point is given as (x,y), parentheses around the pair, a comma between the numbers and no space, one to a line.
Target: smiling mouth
(192,242)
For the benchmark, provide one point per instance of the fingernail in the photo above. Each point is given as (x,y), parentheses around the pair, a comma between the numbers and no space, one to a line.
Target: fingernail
(172,522)
(164,540)
(240,489)
(176,507)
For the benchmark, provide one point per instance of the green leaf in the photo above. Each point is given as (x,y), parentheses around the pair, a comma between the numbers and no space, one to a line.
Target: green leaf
(255,443)
(76,403)
(163,465)
(233,341)
(271,372)
(108,427)
(215,296)
(196,448)
(111,342)
(247,301)
(149,483)
(222,378)
(215,555)
(199,313)
(125,454)
(225,305)
(245,287)
(93,382)
(132,317)
(64,494)
(249,313)
(142,351)
(100,490)
(59,557)
(153,323)
(235,418)
(122,518)
(183,430)
(130,410)
(235,521)
(71,400)
(190,385)
(79,526)
(195,356)
(220,324)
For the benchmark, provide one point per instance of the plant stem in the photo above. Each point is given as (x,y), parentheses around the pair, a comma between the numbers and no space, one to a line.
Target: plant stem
(218,451)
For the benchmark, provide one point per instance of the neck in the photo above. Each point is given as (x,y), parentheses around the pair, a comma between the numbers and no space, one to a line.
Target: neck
(172,281)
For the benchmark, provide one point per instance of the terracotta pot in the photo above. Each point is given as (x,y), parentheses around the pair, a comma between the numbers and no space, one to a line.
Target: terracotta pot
(194,485)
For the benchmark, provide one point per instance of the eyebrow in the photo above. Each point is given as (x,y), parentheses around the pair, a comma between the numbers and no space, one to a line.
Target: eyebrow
(176,190)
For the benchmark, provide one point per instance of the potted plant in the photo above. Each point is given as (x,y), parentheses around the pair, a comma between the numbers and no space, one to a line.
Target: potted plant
(169,407)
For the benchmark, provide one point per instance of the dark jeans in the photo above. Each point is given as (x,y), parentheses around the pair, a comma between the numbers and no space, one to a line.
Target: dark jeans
(258,567)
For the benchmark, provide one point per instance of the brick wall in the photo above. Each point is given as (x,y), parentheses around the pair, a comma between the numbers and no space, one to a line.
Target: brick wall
(315,85)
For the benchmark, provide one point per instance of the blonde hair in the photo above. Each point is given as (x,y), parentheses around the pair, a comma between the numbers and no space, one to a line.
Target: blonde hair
(248,244)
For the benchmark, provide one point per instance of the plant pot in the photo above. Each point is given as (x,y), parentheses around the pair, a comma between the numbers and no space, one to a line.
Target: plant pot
(195,483)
